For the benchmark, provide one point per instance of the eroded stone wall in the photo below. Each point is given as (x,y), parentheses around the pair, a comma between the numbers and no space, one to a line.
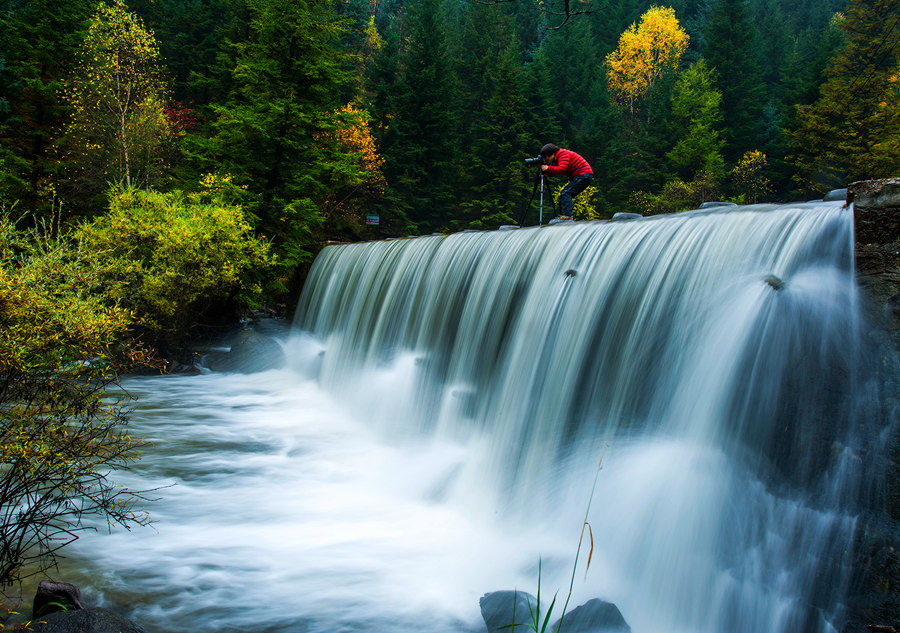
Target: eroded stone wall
(875,595)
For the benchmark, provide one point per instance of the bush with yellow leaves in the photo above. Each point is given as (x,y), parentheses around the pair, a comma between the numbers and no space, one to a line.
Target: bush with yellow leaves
(176,260)
(61,432)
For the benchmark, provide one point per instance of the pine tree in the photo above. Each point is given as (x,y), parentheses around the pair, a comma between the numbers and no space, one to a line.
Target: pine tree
(421,155)
(275,134)
(38,39)
(696,105)
(494,163)
(542,112)
(852,132)
(730,42)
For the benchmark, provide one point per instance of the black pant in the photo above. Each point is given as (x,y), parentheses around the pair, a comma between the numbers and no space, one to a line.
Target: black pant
(575,186)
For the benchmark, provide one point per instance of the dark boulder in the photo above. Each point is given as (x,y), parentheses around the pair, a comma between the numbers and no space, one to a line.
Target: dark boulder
(250,352)
(594,616)
(623,216)
(95,620)
(54,596)
(500,609)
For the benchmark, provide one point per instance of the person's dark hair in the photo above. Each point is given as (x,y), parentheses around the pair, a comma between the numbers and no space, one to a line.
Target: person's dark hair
(549,149)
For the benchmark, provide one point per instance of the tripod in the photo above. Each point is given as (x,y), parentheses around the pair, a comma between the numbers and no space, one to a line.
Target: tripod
(538,180)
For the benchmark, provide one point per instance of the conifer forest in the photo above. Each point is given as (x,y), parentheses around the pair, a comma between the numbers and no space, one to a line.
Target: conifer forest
(305,121)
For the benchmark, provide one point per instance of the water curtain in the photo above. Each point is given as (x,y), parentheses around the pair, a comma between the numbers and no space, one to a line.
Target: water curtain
(716,354)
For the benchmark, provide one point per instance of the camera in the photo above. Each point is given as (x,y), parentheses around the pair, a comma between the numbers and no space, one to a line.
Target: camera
(537,160)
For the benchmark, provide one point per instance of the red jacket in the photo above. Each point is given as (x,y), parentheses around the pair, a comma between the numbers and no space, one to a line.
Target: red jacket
(570,164)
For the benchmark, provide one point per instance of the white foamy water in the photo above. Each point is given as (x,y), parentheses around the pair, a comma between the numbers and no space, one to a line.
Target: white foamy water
(437,433)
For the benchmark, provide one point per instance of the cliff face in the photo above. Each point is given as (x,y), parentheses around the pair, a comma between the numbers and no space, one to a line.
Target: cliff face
(875,598)
(877,225)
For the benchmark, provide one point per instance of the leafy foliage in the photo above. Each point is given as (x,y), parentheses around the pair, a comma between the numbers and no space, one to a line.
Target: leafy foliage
(696,105)
(358,179)
(60,348)
(749,177)
(678,195)
(585,202)
(286,80)
(118,127)
(175,259)
(296,106)
(851,132)
(646,51)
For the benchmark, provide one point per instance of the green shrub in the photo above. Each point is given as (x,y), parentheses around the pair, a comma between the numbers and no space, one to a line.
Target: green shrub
(176,259)
(60,348)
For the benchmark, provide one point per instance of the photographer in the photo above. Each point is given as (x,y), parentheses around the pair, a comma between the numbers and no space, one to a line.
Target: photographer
(558,162)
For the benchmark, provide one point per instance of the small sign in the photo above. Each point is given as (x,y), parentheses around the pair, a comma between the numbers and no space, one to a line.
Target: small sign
(372,219)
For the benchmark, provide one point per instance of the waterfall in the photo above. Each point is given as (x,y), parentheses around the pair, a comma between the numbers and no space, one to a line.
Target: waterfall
(712,359)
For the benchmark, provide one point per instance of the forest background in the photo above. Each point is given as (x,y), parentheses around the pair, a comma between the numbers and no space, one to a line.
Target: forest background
(202,152)
(166,166)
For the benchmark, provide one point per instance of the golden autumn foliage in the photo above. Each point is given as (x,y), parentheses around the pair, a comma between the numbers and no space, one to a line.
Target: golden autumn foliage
(357,140)
(359,173)
(647,50)
(585,203)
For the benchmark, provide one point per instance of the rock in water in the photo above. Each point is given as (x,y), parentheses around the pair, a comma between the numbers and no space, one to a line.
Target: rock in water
(499,608)
(774,282)
(96,620)
(594,616)
(52,596)
(250,352)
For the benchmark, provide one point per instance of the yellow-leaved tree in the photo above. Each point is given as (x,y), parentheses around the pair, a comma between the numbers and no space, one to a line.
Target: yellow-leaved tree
(647,50)
(117,95)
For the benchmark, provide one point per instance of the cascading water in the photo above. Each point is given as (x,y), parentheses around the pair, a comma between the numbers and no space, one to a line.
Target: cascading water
(449,398)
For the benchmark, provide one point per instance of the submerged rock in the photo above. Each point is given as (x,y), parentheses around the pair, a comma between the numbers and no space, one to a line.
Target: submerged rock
(54,596)
(775,282)
(58,608)
(835,195)
(250,352)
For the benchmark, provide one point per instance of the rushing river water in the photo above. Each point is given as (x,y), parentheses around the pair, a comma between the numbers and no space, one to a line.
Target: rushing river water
(437,431)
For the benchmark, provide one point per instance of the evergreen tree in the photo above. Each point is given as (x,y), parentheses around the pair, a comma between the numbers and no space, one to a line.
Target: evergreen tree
(191,36)
(276,133)
(498,143)
(381,80)
(852,132)
(542,111)
(421,156)
(696,105)
(37,43)
(729,49)
(802,75)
